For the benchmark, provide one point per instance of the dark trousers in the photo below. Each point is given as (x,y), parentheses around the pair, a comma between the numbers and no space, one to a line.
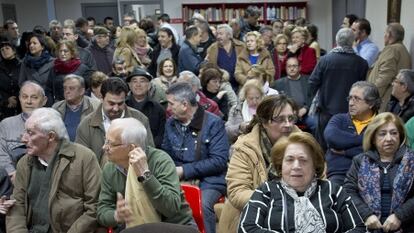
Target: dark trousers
(161,227)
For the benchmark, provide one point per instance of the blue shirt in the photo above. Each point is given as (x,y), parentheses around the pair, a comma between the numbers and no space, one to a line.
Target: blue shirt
(227,61)
(367,50)
(253,59)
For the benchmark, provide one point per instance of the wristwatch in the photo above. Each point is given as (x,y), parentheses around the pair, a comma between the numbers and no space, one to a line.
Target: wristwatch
(145,176)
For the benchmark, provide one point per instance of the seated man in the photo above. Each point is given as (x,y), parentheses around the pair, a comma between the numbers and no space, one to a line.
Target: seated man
(402,95)
(92,130)
(76,105)
(345,131)
(57,182)
(31,97)
(197,142)
(139,82)
(126,147)
(296,86)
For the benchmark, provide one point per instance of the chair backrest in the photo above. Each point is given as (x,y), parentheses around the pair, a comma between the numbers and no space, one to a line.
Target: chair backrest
(192,194)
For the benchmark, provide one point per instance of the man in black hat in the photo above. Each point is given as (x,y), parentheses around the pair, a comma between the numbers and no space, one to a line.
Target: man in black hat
(101,50)
(139,82)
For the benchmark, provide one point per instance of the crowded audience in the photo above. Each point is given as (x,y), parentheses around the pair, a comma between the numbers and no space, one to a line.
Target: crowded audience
(101,126)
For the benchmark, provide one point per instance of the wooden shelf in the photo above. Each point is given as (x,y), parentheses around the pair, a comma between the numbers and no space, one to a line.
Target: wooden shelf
(223,12)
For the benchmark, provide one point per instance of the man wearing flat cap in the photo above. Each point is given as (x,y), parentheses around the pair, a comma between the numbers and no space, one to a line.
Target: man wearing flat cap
(139,82)
(101,50)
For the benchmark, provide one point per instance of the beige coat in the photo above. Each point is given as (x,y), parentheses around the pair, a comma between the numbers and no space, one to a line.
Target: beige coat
(243,66)
(246,171)
(391,60)
(212,51)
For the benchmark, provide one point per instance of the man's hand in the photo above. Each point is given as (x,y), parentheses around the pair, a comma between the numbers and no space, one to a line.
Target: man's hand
(5,204)
(122,212)
(373,222)
(138,160)
(180,172)
(392,223)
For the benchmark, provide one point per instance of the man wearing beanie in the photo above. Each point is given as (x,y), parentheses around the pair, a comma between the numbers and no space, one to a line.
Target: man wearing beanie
(101,50)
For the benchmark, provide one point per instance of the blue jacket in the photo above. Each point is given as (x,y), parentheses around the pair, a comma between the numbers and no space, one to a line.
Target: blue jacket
(188,59)
(180,144)
(340,134)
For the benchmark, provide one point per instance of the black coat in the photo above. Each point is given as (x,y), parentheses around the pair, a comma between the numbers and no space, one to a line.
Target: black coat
(152,68)
(102,56)
(9,79)
(155,114)
(406,111)
(54,85)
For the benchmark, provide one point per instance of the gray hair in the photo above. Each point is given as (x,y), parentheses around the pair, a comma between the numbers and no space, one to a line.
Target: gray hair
(182,91)
(194,80)
(345,37)
(371,94)
(49,120)
(226,28)
(35,84)
(253,11)
(132,131)
(396,31)
(75,77)
(53,23)
(407,76)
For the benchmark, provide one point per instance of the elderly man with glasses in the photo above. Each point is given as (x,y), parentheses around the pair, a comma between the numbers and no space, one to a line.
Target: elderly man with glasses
(345,131)
(402,99)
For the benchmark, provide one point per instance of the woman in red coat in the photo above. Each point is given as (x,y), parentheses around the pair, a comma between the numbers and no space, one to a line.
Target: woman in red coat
(299,49)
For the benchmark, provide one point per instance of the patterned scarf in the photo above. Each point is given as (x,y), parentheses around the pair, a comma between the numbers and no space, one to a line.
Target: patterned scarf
(37,62)
(266,147)
(307,218)
(369,181)
(345,49)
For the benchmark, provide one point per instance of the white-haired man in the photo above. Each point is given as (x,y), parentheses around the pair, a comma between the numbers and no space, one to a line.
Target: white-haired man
(224,52)
(57,182)
(126,148)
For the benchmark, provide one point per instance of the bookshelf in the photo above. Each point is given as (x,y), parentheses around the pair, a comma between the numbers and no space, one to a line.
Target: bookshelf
(217,13)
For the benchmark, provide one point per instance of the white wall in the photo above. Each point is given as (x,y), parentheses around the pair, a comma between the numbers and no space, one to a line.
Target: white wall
(29,13)
(376,13)
(71,9)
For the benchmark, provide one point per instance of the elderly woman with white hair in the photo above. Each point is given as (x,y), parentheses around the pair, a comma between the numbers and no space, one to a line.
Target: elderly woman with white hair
(57,181)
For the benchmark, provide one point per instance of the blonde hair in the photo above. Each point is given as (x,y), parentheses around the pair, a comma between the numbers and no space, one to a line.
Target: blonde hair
(250,84)
(380,120)
(128,37)
(259,40)
(303,31)
(259,72)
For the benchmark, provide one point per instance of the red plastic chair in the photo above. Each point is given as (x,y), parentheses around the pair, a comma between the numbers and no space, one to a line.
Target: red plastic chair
(192,194)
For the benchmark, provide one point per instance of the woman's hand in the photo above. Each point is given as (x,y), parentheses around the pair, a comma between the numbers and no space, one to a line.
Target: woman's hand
(373,222)
(392,223)
(221,94)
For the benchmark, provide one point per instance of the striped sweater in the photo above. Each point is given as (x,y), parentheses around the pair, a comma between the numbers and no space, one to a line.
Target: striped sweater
(271,209)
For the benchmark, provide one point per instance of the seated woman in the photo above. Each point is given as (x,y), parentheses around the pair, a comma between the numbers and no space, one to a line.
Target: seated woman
(280,55)
(250,163)
(380,179)
(167,74)
(300,49)
(210,82)
(240,116)
(300,201)
(254,54)
(259,73)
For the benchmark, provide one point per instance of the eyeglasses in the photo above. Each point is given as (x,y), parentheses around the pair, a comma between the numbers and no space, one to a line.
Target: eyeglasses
(111,145)
(283,119)
(398,81)
(354,98)
(292,66)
